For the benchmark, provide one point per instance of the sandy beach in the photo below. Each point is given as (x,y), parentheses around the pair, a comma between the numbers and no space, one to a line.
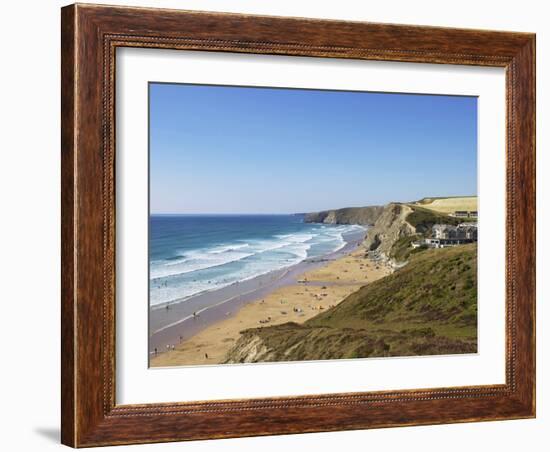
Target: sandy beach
(309,293)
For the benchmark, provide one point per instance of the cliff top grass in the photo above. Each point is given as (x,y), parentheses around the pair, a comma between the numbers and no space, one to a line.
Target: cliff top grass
(347,215)
(449,204)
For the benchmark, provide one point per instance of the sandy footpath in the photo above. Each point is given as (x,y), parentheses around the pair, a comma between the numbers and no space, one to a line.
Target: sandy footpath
(321,288)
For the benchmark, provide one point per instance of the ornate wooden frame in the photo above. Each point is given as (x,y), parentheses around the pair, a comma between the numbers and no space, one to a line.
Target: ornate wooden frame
(90,35)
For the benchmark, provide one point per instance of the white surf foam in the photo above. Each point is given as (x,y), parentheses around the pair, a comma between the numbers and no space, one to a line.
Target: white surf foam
(236,262)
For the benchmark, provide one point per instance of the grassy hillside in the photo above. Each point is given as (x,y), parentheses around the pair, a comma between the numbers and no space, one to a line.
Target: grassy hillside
(423,219)
(427,307)
(402,249)
(449,205)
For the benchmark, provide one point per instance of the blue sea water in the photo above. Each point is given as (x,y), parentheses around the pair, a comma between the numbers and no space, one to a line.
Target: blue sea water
(191,254)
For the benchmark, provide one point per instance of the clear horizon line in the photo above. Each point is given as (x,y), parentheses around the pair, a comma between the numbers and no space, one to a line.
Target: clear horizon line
(308,211)
(227,213)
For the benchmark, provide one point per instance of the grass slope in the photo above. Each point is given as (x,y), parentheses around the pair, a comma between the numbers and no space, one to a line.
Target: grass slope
(423,219)
(428,307)
(402,248)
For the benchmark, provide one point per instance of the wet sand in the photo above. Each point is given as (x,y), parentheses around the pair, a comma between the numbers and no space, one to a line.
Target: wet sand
(296,296)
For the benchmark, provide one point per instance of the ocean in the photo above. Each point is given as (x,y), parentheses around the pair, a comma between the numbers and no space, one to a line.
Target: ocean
(193,254)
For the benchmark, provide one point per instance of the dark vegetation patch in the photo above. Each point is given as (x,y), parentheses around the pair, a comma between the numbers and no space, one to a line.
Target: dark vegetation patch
(402,248)
(423,219)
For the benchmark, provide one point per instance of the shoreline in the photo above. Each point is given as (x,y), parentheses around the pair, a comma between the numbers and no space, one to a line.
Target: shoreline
(175,322)
(328,281)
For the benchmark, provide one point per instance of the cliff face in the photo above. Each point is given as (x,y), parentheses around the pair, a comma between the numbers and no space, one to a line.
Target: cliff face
(390,226)
(388,223)
(349,215)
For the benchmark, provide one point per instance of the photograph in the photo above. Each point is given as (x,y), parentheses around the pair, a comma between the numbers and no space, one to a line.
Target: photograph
(276,224)
(290,224)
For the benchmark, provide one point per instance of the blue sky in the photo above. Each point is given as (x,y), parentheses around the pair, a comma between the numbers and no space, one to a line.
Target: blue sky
(216,149)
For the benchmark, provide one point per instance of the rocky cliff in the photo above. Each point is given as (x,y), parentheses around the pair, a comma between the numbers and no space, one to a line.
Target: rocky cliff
(390,226)
(349,215)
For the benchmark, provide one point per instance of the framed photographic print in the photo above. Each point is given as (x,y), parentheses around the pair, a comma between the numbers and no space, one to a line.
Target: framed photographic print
(281,225)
